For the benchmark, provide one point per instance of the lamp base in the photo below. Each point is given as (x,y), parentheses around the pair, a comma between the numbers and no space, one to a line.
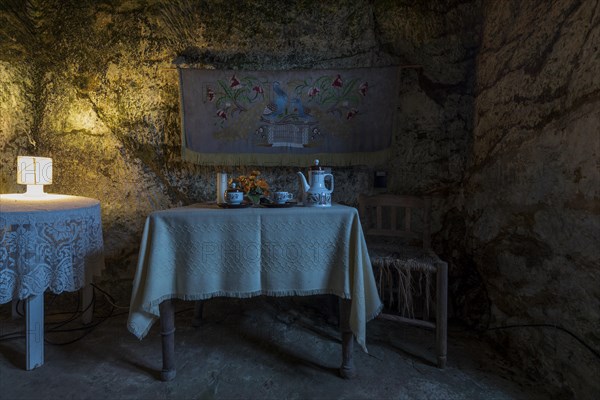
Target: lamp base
(35,191)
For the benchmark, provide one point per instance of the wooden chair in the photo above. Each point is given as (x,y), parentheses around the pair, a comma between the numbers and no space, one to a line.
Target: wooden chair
(403,262)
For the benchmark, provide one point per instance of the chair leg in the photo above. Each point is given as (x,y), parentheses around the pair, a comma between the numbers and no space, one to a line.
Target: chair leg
(441,328)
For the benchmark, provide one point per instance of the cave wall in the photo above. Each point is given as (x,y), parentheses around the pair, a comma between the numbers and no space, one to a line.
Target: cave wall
(93,84)
(508,146)
(533,185)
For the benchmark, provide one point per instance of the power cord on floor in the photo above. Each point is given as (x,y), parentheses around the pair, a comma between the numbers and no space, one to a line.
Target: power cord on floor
(109,298)
(559,328)
(59,327)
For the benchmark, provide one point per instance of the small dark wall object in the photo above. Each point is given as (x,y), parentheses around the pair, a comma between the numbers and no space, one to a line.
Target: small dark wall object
(380,180)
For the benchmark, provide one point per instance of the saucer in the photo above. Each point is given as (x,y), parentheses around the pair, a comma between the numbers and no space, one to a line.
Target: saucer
(279,205)
(241,205)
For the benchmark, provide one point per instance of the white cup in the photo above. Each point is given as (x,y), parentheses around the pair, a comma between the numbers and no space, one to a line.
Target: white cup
(234,197)
(281,197)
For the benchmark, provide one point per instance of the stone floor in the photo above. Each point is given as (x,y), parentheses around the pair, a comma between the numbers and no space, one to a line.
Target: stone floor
(260,348)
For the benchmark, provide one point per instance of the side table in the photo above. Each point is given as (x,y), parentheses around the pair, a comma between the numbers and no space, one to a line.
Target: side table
(50,243)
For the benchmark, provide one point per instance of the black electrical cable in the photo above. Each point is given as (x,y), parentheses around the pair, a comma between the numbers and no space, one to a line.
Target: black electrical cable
(60,326)
(559,328)
(110,299)
(17,309)
(12,336)
(87,329)
(74,315)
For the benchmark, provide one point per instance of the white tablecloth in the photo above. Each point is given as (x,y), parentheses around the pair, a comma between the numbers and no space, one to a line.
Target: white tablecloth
(53,243)
(203,251)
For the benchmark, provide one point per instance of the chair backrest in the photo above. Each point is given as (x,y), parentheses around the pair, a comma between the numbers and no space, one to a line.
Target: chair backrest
(390,215)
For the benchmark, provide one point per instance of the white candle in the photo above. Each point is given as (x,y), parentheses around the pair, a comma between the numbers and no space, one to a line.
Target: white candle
(221,187)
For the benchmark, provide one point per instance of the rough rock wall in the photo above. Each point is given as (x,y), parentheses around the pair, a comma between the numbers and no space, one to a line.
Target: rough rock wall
(533,187)
(93,84)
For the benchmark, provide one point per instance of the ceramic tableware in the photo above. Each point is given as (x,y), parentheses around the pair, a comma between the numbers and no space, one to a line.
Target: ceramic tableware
(315,193)
(234,195)
(281,197)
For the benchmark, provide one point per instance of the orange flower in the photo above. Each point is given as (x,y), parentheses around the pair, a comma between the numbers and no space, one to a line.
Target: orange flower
(262,184)
(251,185)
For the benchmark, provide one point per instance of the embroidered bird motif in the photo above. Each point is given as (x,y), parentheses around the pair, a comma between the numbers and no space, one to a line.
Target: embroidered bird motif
(269,109)
(299,108)
(277,108)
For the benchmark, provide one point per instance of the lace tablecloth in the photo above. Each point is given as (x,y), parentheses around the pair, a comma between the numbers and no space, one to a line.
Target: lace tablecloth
(202,251)
(50,244)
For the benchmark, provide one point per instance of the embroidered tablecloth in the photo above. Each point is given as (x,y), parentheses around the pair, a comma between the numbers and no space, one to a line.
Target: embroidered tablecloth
(203,251)
(54,243)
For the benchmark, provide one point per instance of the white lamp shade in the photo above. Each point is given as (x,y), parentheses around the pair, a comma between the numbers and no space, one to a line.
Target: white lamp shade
(34,170)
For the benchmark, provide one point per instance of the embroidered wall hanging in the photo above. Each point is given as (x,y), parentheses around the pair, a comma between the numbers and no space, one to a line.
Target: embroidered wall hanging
(342,117)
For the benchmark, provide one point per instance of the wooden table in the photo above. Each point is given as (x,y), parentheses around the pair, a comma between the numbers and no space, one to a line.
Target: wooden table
(50,243)
(204,251)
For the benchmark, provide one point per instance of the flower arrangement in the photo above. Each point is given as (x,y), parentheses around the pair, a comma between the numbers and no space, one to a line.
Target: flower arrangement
(252,185)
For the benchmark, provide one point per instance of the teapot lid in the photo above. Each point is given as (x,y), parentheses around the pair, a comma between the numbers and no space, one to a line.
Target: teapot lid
(316,167)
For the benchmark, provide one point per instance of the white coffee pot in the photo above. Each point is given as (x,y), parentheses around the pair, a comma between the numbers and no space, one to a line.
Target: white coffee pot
(315,193)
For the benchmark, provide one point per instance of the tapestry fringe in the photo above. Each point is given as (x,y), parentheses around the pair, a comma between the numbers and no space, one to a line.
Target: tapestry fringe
(287,160)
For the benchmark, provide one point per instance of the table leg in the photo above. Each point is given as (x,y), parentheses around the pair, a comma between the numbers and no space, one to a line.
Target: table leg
(167,331)
(347,370)
(198,310)
(34,325)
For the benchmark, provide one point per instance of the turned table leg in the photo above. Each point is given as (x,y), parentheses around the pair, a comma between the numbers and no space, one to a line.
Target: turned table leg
(347,370)
(167,331)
